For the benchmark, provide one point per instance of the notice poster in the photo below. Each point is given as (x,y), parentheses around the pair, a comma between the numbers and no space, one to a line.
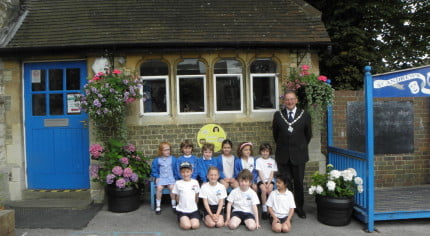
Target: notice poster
(35,76)
(211,133)
(73,103)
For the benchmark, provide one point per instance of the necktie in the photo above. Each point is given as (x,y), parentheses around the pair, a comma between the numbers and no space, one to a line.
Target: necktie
(290,116)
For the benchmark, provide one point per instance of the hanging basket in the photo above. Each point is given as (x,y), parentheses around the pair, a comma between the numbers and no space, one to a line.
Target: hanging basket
(122,199)
(335,211)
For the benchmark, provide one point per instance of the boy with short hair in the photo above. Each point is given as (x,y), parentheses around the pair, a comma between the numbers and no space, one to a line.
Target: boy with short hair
(281,205)
(244,201)
(187,190)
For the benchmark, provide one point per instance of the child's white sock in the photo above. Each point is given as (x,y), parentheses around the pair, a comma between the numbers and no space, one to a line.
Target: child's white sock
(158,202)
(173,203)
(264,207)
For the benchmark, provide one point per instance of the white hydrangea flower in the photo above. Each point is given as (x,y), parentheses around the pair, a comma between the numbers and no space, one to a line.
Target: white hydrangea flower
(334,174)
(347,175)
(358,180)
(353,171)
(319,189)
(312,189)
(331,185)
(360,188)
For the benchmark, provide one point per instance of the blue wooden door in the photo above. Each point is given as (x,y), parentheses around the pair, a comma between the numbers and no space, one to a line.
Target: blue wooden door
(56,132)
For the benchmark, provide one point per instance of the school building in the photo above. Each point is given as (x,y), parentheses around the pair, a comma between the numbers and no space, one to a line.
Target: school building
(203,62)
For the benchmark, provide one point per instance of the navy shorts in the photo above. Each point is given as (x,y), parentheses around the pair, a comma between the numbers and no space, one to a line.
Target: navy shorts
(260,183)
(213,208)
(282,220)
(191,215)
(242,215)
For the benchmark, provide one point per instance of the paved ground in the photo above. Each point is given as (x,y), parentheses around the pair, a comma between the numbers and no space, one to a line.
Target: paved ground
(144,222)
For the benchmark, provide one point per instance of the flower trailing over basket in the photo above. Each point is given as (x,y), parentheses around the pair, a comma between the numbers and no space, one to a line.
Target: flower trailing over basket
(314,92)
(105,99)
(118,164)
(335,183)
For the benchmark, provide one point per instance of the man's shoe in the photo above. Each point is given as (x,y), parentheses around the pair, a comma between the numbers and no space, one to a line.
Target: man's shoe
(301,213)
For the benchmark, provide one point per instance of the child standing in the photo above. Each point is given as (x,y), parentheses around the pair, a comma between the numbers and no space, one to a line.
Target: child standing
(213,194)
(187,151)
(163,169)
(246,161)
(244,201)
(281,205)
(227,165)
(266,167)
(207,161)
(186,190)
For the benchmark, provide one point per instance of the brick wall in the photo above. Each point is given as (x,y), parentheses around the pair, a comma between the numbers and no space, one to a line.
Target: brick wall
(391,169)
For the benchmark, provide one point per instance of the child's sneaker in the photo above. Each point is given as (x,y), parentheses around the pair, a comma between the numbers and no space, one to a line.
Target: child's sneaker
(158,210)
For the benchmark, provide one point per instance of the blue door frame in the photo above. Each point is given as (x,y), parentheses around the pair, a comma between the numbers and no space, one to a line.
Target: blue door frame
(56,133)
(364,162)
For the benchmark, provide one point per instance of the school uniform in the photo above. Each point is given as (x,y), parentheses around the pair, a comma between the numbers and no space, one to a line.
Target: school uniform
(266,166)
(164,168)
(187,190)
(242,203)
(203,167)
(281,203)
(227,166)
(190,159)
(240,164)
(213,194)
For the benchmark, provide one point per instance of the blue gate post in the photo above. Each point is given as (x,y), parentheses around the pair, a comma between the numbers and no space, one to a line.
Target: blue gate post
(368,83)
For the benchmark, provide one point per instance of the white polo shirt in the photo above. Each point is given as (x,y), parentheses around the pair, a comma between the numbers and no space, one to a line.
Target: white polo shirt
(243,201)
(186,190)
(266,166)
(281,203)
(213,193)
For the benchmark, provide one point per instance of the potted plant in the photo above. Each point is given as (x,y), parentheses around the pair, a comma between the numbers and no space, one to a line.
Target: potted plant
(314,92)
(335,192)
(105,98)
(122,170)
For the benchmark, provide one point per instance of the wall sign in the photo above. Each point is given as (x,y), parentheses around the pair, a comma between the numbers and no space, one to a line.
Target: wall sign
(73,103)
(211,133)
(413,82)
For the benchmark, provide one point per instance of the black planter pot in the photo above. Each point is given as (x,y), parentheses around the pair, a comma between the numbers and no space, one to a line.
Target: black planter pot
(122,199)
(334,211)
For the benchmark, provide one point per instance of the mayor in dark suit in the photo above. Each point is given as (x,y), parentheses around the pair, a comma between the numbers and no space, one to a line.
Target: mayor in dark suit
(292,131)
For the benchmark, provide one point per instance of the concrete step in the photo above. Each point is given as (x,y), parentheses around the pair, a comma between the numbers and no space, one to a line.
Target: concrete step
(57,194)
(76,204)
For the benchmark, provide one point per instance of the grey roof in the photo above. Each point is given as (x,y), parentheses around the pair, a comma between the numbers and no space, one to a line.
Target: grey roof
(83,23)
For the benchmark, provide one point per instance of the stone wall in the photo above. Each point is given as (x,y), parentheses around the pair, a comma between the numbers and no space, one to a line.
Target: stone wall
(391,169)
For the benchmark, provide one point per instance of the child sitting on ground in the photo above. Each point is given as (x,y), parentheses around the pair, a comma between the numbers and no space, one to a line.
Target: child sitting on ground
(186,191)
(213,194)
(244,201)
(281,205)
(266,167)
(163,169)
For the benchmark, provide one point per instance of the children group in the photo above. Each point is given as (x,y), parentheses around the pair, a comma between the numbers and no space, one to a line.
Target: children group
(209,178)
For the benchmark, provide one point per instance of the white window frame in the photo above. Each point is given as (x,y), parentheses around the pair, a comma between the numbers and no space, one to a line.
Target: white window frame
(241,93)
(166,81)
(253,75)
(178,77)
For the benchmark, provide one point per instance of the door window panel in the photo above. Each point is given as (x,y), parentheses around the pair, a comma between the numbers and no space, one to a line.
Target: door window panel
(56,104)
(73,79)
(38,80)
(55,79)
(39,104)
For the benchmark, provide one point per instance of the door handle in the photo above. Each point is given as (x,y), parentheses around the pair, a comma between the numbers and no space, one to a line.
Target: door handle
(84,123)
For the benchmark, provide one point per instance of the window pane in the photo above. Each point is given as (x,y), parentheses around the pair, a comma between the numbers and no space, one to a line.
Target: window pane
(228,93)
(191,95)
(263,66)
(154,67)
(191,67)
(55,79)
(39,105)
(154,91)
(228,67)
(38,80)
(264,92)
(56,104)
(73,79)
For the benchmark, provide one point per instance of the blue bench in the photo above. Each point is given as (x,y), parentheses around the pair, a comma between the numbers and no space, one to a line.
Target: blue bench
(153,192)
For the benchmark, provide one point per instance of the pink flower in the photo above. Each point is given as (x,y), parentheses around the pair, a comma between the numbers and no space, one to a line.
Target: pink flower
(322,78)
(117,170)
(130,100)
(305,67)
(116,72)
(96,150)
(305,72)
(129,148)
(94,171)
(128,172)
(100,74)
(124,160)
(120,183)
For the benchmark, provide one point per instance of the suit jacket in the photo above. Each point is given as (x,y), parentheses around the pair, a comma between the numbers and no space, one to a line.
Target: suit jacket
(292,146)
